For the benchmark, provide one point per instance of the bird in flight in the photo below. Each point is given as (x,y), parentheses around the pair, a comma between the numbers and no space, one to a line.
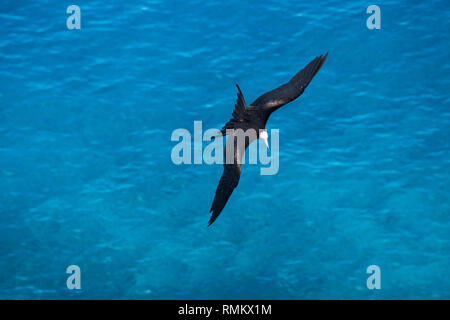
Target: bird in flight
(254,117)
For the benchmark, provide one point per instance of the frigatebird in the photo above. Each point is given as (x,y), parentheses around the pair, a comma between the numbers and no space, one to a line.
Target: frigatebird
(255,117)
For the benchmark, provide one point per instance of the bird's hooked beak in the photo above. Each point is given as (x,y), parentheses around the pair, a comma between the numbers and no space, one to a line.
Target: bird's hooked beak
(266,142)
(264,136)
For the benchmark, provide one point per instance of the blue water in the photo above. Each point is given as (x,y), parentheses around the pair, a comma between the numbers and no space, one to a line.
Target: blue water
(86,176)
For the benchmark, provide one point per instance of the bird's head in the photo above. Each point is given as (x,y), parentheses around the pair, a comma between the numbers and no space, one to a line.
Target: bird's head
(264,136)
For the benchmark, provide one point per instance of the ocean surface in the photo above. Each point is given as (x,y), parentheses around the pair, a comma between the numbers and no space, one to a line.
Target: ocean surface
(86,176)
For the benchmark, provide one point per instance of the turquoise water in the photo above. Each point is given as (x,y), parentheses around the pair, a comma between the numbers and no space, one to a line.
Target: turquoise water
(86,176)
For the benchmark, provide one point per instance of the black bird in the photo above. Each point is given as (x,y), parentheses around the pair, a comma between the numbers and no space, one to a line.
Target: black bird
(255,117)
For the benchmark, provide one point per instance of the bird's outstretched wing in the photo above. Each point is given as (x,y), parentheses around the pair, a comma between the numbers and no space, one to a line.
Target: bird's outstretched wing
(240,114)
(227,183)
(272,100)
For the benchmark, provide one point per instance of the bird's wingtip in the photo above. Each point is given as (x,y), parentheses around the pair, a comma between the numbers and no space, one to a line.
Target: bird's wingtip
(320,61)
(239,89)
(213,216)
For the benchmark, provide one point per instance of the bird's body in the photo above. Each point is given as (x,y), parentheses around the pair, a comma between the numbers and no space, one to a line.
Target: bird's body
(253,119)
